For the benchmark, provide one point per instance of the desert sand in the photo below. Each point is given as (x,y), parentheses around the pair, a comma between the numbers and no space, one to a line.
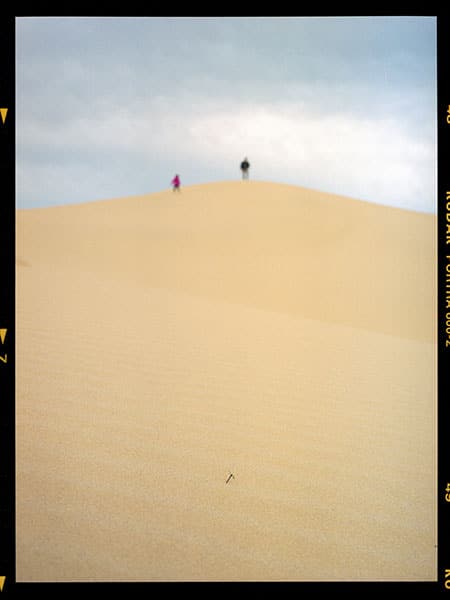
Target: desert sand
(282,335)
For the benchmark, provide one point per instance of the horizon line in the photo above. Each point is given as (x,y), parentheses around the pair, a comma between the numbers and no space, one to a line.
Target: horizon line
(168,189)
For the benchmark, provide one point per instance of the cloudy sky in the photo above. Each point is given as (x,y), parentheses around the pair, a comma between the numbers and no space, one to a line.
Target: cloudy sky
(112,107)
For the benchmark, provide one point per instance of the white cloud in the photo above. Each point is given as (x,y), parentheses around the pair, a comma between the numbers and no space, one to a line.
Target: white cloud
(374,158)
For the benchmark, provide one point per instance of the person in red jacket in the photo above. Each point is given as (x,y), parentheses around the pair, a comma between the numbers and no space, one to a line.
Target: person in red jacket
(176,183)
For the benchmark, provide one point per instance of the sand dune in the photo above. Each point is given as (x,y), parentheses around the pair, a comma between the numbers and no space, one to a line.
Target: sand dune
(280,334)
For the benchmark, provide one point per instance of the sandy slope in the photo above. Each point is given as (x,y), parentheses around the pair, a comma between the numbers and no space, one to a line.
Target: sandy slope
(281,334)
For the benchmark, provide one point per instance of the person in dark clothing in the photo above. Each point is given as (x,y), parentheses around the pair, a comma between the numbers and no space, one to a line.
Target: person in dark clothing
(245,165)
